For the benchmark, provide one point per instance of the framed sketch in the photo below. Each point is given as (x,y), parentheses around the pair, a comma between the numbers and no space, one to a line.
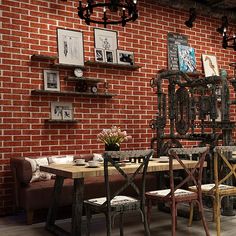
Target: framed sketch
(70,47)
(99,54)
(61,110)
(110,56)
(105,39)
(125,57)
(51,80)
(210,65)
(187,60)
(67,114)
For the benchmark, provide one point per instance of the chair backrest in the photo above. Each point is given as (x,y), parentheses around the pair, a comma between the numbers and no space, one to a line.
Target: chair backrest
(193,175)
(141,157)
(224,164)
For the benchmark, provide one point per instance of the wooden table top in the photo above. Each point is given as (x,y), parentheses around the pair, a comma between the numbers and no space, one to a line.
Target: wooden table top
(74,172)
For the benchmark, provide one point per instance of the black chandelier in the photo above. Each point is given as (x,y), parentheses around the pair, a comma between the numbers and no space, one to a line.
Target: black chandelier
(125,9)
(228,40)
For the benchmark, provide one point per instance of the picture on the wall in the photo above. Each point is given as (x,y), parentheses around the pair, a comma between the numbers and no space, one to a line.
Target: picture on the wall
(210,65)
(110,56)
(125,57)
(187,60)
(51,80)
(70,47)
(105,39)
(99,55)
(61,111)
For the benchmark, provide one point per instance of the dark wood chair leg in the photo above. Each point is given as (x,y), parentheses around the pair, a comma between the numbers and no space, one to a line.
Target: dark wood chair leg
(121,224)
(88,220)
(108,223)
(149,210)
(145,219)
(29,217)
(173,213)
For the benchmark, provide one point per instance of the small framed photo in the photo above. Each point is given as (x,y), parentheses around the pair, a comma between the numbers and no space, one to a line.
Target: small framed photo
(99,55)
(51,80)
(105,39)
(70,47)
(210,65)
(125,57)
(110,56)
(61,111)
(67,114)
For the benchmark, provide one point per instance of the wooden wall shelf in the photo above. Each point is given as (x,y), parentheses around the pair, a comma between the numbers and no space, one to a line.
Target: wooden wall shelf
(112,65)
(65,93)
(88,80)
(61,121)
(39,57)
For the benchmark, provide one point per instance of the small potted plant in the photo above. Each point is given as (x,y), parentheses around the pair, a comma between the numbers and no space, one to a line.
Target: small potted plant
(112,138)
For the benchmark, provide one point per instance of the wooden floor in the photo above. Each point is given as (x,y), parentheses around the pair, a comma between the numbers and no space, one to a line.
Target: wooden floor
(160,226)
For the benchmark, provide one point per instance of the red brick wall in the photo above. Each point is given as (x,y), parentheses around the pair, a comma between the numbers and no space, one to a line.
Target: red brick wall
(29,27)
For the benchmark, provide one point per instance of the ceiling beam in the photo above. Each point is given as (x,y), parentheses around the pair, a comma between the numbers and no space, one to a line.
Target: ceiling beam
(201,8)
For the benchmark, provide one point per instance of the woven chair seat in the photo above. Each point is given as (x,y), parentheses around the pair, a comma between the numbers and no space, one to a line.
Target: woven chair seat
(120,203)
(164,192)
(209,187)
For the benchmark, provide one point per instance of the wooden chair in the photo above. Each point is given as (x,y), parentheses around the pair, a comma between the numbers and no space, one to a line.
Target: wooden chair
(177,194)
(224,169)
(115,203)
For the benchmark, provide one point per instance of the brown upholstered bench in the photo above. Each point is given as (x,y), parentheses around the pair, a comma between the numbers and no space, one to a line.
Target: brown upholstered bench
(31,196)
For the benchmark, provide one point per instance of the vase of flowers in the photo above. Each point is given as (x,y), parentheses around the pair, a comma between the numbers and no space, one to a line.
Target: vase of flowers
(112,138)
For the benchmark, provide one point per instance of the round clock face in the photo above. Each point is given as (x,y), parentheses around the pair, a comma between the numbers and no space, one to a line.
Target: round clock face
(78,72)
(94,89)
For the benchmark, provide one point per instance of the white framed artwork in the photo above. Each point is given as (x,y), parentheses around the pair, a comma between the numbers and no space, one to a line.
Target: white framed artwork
(110,56)
(99,54)
(105,39)
(125,57)
(51,80)
(210,65)
(61,111)
(70,47)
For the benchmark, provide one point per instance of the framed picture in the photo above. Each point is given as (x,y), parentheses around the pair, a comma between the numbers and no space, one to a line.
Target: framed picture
(125,57)
(105,39)
(110,56)
(187,60)
(210,65)
(61,111)
(67,114)
(99,55)
(70,47)
(51,80)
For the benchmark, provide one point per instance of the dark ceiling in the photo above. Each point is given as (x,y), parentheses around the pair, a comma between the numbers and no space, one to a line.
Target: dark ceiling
(214,8)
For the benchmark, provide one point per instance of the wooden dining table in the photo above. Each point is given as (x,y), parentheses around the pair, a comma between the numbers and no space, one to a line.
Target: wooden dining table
(78,174)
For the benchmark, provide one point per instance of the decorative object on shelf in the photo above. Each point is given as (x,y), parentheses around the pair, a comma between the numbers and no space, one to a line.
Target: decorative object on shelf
(187,60)
(228,40)
(210,65)
(110,56)
(125,57)
(78,72)
(99,55)
(113,137)
(106,86)
(70,47)
(105,45)
(126,10)
(51,80)
(173,41)
(192,17)
(105,39)
(61,111)
(94,89)
(81,86)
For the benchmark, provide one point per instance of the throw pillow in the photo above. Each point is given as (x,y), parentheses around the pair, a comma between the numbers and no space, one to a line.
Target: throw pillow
(61,159)
(38,175)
